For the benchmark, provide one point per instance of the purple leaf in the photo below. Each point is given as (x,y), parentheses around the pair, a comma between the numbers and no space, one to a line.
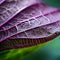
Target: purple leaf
(30,19)
(27,14)
(9,9)
(39,35)
(36,24)
(11,0)
(1,1)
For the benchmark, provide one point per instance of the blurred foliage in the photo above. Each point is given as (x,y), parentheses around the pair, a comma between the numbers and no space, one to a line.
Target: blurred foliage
(55,3)
(47,51)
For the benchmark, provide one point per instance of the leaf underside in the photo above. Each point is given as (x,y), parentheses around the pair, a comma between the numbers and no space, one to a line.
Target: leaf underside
(35,24)
(9,9)
(1,1)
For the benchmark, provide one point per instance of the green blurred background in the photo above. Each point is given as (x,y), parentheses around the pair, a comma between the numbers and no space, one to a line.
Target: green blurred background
(46,51)
(54,3)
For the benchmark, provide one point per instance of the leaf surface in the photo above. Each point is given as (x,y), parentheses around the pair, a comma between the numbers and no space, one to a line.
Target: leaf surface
(1,1)
(9,9)
(36,24)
